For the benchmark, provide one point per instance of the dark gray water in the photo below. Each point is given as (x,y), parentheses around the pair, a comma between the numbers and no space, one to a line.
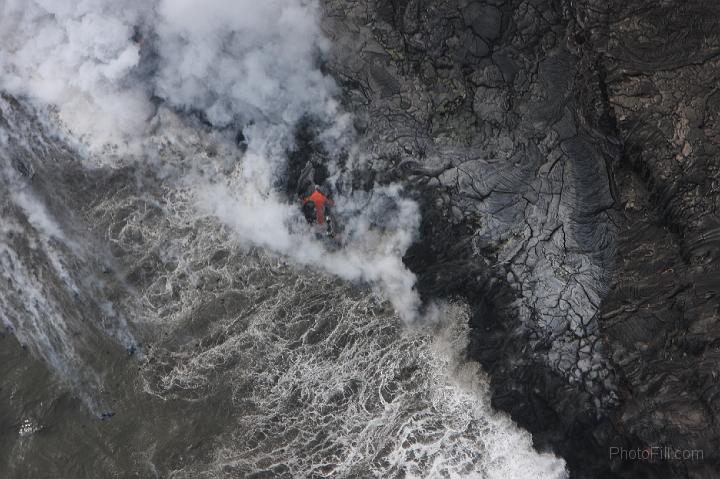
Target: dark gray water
(247,364)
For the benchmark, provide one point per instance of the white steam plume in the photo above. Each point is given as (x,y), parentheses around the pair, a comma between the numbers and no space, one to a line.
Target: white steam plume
(78,56)
(105,66)
(100,62)
(369,255)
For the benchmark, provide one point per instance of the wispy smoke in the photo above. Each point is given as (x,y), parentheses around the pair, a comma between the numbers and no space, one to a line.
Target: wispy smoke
(370,254)
(109,67)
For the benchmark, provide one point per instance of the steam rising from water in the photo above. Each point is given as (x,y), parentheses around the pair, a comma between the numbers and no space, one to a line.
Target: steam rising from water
(369,256)
(51,298)
(245,64)
(100,62)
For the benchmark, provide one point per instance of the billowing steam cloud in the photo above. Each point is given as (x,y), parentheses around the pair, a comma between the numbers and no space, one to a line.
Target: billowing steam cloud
(101,62)
(81,58)
(108,68)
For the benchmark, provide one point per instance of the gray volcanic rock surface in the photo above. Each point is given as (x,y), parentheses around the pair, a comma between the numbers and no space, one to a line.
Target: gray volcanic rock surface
(565,154)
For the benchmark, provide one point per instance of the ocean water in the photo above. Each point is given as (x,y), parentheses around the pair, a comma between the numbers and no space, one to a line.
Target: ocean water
(246,364)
